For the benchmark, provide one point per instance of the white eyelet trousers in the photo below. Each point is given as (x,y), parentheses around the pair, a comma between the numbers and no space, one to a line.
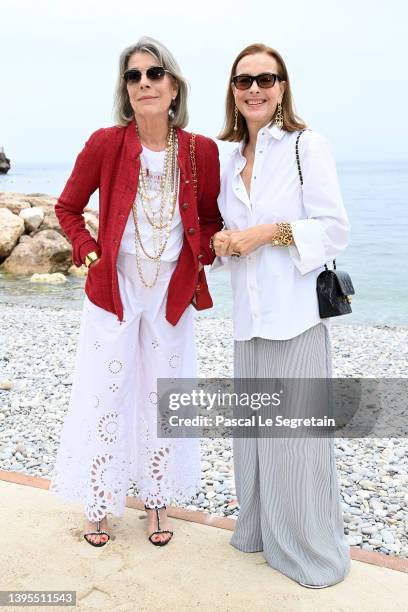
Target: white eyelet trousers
(109,439)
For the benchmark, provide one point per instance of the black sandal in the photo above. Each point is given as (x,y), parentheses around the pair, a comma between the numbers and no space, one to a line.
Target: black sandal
(97,532)
(159,543)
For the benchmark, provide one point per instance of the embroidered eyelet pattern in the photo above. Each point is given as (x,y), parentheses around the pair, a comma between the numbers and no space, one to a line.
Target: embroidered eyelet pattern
(155,344)
(153,397)
(164,425)
(97,344)
(105,484)
(97,401)
(174,361)
(158,463)
(115,366)
(108,427)
(114,387)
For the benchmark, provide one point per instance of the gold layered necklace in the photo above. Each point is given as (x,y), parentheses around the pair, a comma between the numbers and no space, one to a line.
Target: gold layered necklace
(167,195)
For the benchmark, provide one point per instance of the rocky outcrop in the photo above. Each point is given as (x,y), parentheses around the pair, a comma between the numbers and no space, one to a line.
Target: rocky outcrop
(32,217)
(4,162)
(11,228)
(46,252)
(31,239)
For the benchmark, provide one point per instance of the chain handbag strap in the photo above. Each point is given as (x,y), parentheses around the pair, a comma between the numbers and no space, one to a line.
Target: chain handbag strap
(297,156)
(193,163)
(301,176)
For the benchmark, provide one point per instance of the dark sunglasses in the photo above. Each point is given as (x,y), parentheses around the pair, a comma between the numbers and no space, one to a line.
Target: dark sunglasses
(265,80)
(155,73)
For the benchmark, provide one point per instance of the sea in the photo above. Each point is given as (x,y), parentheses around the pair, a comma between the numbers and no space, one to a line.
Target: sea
(376,198)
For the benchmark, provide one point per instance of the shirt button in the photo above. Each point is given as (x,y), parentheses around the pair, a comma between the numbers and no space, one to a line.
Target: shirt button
(191,231)
(255,315)
(184,206)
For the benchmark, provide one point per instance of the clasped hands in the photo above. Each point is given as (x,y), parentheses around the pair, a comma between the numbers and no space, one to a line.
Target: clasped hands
(243,242)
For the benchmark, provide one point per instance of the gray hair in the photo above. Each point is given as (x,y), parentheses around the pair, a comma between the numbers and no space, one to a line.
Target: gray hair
(123,112)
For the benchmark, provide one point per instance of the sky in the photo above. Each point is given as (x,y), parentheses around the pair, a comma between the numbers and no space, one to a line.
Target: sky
(346,61)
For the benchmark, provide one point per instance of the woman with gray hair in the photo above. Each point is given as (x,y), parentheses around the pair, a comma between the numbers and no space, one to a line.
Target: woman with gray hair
(158,188)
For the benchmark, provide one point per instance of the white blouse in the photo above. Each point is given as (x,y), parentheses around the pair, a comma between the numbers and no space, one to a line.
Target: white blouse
(274,288)
(153,161)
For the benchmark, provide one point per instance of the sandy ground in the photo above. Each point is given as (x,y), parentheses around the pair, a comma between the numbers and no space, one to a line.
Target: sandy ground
(43,549)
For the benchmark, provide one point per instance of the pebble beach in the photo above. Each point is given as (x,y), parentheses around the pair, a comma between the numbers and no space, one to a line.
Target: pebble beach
(36,369)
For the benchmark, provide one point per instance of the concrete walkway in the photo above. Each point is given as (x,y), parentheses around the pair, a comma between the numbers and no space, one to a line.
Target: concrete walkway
(43,549)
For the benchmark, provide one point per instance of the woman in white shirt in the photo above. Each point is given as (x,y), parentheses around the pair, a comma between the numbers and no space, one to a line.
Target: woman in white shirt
(279,236)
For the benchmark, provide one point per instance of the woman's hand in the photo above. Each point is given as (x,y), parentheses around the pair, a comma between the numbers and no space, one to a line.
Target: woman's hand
(246,241)
(221,242)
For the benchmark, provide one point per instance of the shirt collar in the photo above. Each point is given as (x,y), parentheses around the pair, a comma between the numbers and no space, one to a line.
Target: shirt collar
(266,133)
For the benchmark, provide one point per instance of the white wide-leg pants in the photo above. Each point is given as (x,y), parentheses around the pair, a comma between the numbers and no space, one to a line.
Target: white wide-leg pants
(109,437)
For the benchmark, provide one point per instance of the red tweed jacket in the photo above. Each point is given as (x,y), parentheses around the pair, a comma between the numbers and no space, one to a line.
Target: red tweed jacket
(110,161)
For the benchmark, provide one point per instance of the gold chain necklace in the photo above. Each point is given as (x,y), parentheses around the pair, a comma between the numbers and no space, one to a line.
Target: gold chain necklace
(168,199)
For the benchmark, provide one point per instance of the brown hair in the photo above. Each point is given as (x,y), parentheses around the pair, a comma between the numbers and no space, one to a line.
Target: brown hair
(291,122)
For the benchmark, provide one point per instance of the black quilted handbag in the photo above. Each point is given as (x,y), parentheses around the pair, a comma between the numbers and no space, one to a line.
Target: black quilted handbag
(334,287)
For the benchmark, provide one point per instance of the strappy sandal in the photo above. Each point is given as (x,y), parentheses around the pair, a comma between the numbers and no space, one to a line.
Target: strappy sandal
(159,543)
(97,532)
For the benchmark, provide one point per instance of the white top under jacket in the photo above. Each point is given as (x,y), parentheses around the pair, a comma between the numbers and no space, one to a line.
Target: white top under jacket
(153,161)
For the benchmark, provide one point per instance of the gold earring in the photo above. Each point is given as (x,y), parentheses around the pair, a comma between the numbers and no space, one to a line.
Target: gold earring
(279,116)
(236,119)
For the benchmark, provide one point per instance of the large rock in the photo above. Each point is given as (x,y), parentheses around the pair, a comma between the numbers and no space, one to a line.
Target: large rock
(91,223)
(51,220)
(32,217)
(46,252)
(11,228)
(53,279)
(14,205)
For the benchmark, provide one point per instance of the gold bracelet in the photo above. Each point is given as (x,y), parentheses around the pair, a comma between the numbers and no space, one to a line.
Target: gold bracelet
(90,258)
(284,236)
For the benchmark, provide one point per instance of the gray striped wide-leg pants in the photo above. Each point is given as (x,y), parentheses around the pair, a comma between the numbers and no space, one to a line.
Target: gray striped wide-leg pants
(287,488)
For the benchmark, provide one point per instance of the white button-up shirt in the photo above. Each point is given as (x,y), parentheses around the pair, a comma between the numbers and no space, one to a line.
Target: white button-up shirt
(274,288)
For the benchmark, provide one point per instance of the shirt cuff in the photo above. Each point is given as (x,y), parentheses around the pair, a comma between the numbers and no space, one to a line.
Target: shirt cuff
(308,253)
(219,263)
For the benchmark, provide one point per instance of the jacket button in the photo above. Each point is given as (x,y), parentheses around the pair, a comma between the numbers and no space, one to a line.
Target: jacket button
(115,242)
(200,256)
(184,206)
(191,231)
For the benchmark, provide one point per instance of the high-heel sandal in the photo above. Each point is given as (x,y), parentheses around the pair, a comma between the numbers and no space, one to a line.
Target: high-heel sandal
(159,542)
(97,532)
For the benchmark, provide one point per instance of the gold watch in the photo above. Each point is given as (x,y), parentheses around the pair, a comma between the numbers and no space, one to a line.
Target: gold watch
(90,258)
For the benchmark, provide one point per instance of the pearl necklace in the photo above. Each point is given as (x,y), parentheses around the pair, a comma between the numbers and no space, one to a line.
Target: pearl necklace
(168,198)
